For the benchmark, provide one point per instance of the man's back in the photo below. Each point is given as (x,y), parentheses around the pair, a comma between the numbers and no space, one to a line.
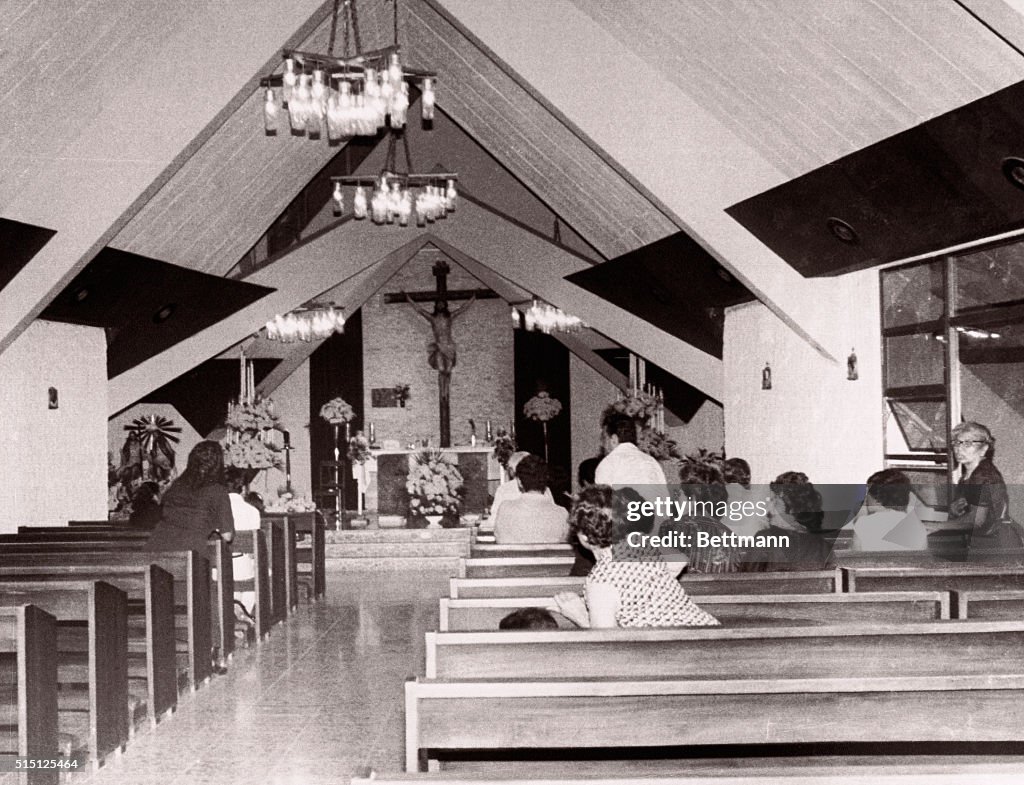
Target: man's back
(533,517)
(627,464)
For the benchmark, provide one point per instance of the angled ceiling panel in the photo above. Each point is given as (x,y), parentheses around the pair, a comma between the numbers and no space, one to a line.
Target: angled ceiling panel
(20,242)
(146,305)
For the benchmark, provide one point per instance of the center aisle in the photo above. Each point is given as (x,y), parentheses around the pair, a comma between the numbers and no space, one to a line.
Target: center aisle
(318,700)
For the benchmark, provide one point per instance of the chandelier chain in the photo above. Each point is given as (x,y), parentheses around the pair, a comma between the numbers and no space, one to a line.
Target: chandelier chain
(334,29)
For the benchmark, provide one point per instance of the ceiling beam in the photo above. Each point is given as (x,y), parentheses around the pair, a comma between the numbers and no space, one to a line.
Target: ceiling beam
(335,255)
(660,139)
(141,131)
(538,266)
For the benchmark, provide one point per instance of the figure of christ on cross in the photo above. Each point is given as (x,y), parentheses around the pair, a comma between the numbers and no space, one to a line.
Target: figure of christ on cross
(441,351)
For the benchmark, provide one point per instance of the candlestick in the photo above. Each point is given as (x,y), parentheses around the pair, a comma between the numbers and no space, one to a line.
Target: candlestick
(488,433)
(373,434)
(642,371)
(241,374)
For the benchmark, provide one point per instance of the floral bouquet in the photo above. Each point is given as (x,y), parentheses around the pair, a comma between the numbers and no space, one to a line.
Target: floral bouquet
(288,502)
(336,411)
(637,404)
(358,448)
(504,446)
(658,445)
(542,407)
(255,416)
(251,453)
(434,484)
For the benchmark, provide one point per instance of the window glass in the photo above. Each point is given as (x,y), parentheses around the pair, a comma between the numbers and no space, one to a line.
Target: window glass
(913,294)
(989,277)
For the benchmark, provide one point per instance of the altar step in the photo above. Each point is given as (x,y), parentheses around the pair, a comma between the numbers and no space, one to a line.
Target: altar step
(397,548)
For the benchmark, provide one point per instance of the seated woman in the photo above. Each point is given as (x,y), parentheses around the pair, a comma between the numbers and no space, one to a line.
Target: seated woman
(980,497)
(628,587)
(795,513)
(196,506)
(736,474)
(532,517)
(703,489)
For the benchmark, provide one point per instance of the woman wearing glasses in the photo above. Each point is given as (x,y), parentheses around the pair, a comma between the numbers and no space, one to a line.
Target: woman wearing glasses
(980,497)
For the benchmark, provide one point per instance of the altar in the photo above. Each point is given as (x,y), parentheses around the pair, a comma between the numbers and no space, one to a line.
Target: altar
(383,475)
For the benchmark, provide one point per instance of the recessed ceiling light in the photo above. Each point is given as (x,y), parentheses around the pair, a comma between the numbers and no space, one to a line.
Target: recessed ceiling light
(81,294)
(1013,171)
(164,313)
(842,231)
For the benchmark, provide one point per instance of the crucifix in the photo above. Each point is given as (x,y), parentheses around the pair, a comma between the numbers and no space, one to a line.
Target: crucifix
(441,349)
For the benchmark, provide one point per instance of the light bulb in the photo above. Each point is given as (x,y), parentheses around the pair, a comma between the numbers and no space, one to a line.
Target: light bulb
(404,209)
(427,99)
(395,71)
(359,203)
(379,207)
(339,199)
(400,106)
(270,112)
(289,79)
(451,197)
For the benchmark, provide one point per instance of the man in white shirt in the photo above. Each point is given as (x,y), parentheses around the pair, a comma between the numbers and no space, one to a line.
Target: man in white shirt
(510,490)
(887,525)
(625,463)
(532,517)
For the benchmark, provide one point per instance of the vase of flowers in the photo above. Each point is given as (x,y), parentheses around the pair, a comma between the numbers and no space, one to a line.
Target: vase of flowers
(248,444)
(434,485)
(542,408)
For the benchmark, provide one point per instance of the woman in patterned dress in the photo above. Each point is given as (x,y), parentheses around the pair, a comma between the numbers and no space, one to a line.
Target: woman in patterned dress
(628,587)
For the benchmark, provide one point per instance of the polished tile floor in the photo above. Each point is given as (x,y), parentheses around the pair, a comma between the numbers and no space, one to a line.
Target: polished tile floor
(318,700)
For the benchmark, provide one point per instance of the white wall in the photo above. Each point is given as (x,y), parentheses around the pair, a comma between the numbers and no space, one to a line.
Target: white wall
(705,429)
(53,461)
(589,393)
(291,402)
(812,420)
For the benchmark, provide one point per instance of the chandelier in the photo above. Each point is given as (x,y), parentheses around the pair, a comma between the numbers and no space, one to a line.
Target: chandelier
(306,324)
(356,94)
(393,196)
(545,318)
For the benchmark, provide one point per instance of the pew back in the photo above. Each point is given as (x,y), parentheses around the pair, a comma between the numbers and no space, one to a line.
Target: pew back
(948,577)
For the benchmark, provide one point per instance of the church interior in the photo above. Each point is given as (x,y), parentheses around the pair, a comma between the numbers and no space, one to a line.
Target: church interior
(790,229)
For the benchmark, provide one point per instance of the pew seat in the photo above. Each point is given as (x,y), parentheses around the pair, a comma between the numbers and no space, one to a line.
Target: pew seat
(947,577)
(1007,605)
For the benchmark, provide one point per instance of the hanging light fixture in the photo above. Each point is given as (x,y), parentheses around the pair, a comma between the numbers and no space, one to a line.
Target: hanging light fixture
(306,324)
(356,94)
(545,318)
(398,197)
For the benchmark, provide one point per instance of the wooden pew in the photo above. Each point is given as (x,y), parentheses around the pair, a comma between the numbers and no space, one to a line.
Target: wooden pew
(28,711)
(566,715)
(220,592)
(1007,605)
(810,582)
(150,592)
(526,550)
(851,649)
(274,528)
(932,770)
(515,567)
(190,573)
(311,524)
(96,656)
(948,577)
(459,615)
(254,543)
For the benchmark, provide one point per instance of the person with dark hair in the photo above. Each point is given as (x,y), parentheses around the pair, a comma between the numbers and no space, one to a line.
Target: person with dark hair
(533,517)
(629,586)
(145,505)
(980,497)
(624,463)
(196,506)
(885,524)
(703,490)
(736,473)
(529,619)
(585,474)
(245,515)
(795,513)
(510,489)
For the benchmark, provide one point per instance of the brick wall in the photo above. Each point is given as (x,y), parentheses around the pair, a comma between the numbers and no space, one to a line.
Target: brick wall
(395,341)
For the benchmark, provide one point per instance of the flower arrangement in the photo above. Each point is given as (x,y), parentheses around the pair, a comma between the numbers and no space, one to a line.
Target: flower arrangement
(657,445)
(434,484)
(337,411)
(708,457)
(542,407)
(251,452)
(358,448)
(401,392)
(637,404)
(504,446)
(257,415)
(288,502)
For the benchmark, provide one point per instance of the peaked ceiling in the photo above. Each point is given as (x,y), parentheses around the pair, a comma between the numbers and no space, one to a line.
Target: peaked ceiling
(628,120)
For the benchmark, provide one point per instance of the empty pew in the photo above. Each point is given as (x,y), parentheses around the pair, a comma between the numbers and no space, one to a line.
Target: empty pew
(851,649)
(190,573)
(220,591)
(1007,605)
(254,543)
(526,550)
(28,711)
(463,615)
(289,523)
(945,577)
(150,592)
(274,528)
(515,567)
(92,649)
(313,554)
(562,715)
(810,582)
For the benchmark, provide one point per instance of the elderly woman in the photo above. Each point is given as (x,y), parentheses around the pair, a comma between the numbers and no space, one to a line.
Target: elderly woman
(980,496)
(628,587)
